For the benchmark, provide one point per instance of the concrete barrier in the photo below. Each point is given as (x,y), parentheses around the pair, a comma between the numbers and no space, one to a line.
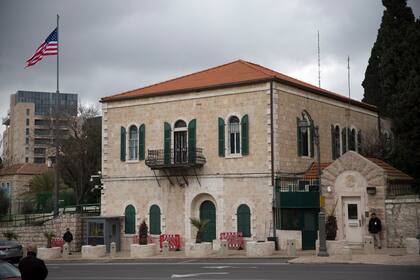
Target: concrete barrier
(142,251)
(224,248)
(259,249)
(334,247)
(412,246)
(347,253)
(198,250)
(368,245)
(165,248)
(93,252)
(49,253)
(285,235)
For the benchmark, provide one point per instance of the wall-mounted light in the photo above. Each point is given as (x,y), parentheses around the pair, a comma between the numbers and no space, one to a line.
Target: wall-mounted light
(329,189)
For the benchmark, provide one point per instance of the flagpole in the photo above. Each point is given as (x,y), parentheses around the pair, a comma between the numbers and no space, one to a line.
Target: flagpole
(58,55)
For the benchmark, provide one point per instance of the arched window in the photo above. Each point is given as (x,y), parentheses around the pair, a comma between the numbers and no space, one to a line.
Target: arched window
(335,142)
(180,142)
(130,219)
(244,220)
(352,139)
(234,135)
(154,219)
(133,142)
(305,135)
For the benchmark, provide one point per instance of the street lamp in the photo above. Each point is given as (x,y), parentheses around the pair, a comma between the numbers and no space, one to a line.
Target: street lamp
(304,124)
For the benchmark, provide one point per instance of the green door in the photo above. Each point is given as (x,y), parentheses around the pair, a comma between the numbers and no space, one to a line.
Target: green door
(309,229)
(208,212)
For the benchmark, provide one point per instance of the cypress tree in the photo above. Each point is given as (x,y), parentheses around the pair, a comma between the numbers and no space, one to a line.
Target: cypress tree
(392,82)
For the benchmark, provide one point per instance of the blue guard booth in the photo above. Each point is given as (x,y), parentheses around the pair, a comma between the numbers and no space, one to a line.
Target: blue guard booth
(102,230)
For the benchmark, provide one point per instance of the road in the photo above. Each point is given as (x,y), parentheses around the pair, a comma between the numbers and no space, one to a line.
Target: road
(226,269)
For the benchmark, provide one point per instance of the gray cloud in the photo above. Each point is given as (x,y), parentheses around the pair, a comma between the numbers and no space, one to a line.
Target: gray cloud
(107,47)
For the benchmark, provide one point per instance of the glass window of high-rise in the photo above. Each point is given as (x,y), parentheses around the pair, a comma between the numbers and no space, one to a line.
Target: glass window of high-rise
(47,102)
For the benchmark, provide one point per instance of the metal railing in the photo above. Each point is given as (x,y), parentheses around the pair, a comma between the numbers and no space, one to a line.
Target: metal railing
(175,158)
(38,219)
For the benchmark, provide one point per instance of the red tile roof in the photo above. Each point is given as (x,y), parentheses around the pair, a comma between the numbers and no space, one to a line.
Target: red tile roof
(24,169)
(312,173)
(235,73)
(391,172)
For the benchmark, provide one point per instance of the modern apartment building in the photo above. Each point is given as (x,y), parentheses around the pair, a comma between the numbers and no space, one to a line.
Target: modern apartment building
(28,136)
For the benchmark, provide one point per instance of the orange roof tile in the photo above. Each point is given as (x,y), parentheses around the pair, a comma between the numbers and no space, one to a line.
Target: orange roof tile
(235,73)
(24,169)
(391,172)
(312,173)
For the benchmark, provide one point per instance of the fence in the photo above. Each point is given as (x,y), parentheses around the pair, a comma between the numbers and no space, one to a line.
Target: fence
(235,240)
(38,219)
(174,241)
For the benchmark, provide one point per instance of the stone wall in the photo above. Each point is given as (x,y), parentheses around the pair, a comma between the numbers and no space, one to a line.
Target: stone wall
(35,234)
(403,219)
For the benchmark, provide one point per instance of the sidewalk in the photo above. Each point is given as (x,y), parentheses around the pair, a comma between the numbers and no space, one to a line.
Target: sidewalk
(387,256)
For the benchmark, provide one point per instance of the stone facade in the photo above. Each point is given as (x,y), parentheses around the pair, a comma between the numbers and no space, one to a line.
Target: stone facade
(35,234)
(403,219)
(226,181)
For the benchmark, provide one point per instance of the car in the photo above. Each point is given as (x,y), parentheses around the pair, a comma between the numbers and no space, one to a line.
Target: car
(9,271)
(10,251)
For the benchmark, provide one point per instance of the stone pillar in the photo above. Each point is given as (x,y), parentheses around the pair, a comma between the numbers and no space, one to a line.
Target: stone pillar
(368,246)
(66,250)
(223,247)
(291,248)
(165,248)
(412,245)
(113,249)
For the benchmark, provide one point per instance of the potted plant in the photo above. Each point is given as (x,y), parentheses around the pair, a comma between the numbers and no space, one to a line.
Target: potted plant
(331,224)
(10,235)
(201,226)
(143,230)
(49,235)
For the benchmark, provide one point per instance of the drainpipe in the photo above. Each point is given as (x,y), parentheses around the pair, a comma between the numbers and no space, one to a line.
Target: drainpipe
(274,206)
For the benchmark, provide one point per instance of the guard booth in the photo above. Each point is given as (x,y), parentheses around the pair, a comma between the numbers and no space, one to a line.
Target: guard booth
(102,230)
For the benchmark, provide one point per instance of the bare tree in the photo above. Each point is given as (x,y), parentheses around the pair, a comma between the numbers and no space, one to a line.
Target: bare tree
(378,146)
(81,152)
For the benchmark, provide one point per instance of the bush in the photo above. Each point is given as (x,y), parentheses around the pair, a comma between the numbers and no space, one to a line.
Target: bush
(9,235)
(143,230)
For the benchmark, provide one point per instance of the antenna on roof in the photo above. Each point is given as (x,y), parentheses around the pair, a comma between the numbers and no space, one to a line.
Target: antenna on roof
(348,108)
(319,64)
(348,75)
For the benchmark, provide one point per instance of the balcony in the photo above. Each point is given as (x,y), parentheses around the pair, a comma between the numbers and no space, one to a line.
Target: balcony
(180,158)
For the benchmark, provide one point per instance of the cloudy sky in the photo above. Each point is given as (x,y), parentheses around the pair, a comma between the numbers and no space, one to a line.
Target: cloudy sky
(107,47)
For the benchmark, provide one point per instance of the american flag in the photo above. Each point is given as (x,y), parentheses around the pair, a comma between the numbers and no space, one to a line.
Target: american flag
(48,47)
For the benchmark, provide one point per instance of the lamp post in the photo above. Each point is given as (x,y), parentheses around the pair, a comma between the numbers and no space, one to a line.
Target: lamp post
(304,124)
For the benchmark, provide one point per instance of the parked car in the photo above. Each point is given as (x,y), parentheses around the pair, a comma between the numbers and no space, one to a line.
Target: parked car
(9,271)
(10,251)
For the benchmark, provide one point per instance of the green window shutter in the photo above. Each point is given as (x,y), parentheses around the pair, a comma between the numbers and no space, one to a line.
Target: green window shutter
(298,138)
(244,220)
(344,139)
(130,219)
(142,141)
(359,141)
(333,144)
(123,134)
(312,131)
(221,124)
(154,219)
(167,143)
(192,140)
(245,135)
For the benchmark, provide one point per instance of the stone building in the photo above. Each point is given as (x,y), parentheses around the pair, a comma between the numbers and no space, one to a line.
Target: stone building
(356,186)
(218,145)
(14,180)
(27,136)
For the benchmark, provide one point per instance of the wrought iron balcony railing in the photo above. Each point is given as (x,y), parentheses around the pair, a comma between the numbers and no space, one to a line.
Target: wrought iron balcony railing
(178,158)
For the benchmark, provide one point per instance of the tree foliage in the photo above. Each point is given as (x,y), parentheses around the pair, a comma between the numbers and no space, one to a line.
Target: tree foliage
(80,155)
(392,81)
(4,203)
